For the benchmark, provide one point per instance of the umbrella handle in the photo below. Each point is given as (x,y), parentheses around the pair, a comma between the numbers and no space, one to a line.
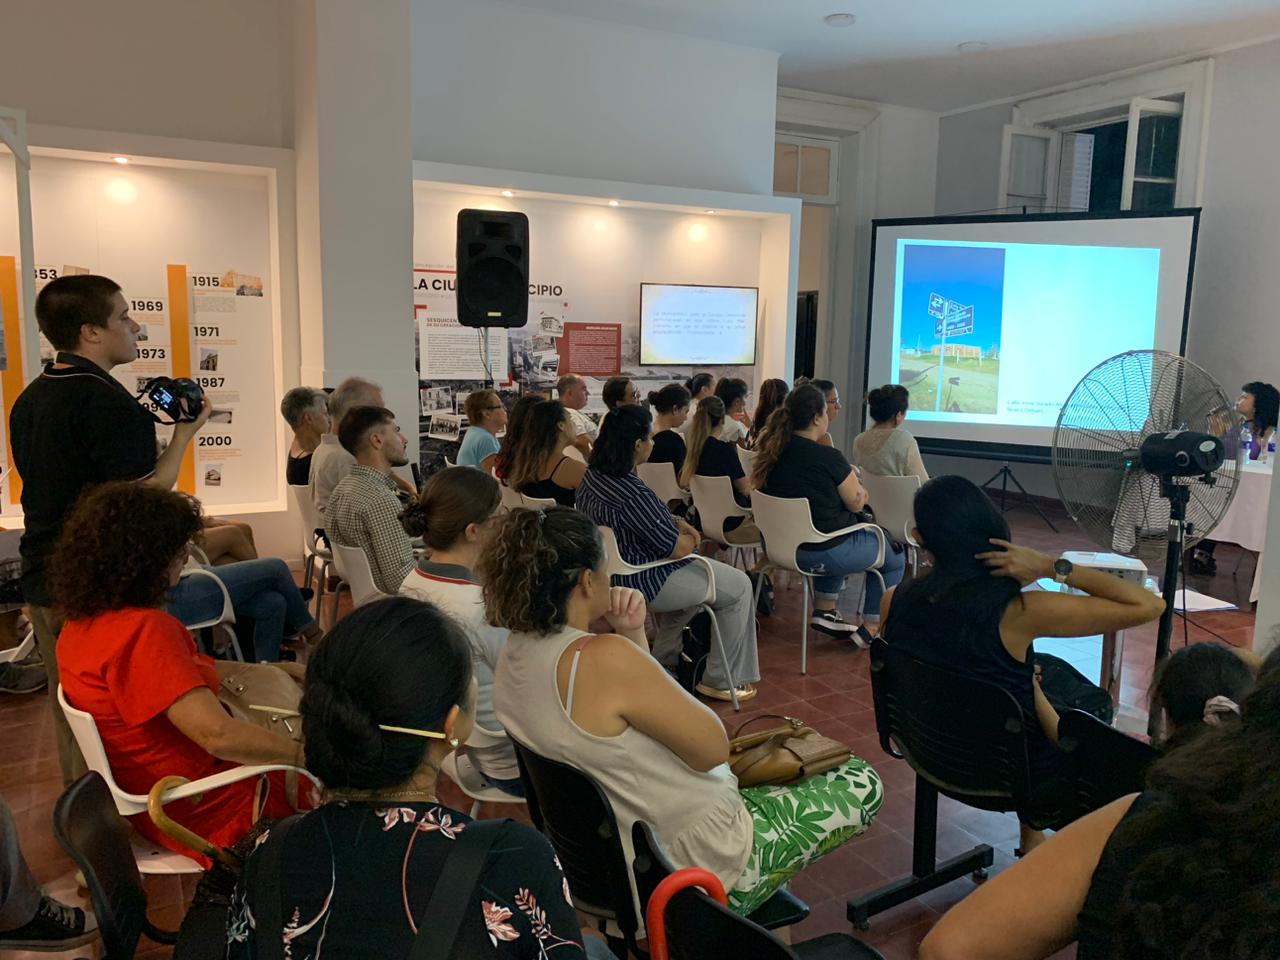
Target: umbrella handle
(185,836)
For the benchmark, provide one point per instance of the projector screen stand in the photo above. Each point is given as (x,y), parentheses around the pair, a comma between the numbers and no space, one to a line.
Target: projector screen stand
(1006,475)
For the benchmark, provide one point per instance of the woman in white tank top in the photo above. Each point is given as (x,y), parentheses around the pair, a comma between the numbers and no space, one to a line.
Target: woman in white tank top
(602,704)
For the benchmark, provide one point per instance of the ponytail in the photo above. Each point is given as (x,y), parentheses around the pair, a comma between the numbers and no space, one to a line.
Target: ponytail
(706,423)
(803,405)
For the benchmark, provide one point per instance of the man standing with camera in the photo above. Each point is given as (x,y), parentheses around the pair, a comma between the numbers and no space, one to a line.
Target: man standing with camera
(73,427)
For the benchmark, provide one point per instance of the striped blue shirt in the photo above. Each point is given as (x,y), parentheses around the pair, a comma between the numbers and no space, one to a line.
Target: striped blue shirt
(642,523)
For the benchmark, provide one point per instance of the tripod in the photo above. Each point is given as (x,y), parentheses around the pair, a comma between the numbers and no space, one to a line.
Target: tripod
(1005,475)
(1178,496)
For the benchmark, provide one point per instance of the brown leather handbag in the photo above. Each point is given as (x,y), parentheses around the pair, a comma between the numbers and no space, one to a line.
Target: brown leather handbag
(783,754)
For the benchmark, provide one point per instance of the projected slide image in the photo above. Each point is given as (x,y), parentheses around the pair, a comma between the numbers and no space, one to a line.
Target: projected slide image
(949,343)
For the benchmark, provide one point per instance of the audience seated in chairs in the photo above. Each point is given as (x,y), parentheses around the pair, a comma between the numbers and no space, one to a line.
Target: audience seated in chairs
(306,410)
(613,496)
(733,393)
(454,514)
(1186,869)
(225,541)
(1199,687)
(600,703)
(388,696)
(773,392)
(364,510)
(672,406)
(134,667)
(700,386)
(574,394)
(331,461)
(970,613)
(486,417)
(887,450)
(709,456)
(535,464)
(792,462)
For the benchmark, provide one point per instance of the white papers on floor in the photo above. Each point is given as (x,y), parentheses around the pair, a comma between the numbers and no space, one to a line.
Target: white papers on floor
(1200,603)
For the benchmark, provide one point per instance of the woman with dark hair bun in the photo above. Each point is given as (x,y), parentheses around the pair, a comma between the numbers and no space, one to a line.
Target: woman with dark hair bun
(1186,870)
(671,406)
(733,393)
(389,695)
(886,449)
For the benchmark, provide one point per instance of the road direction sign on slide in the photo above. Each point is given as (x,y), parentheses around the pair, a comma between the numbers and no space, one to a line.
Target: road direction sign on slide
(957,323)
(938,305)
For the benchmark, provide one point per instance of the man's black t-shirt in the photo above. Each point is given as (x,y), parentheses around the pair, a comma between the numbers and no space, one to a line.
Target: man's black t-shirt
(70,429)
(808,469)
(720,459)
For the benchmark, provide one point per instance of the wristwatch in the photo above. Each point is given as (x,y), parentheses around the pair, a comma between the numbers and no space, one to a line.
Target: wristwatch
(1062,569)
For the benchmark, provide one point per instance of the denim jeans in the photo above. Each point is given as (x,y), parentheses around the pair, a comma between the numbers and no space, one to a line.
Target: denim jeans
(854,554)
(261,590)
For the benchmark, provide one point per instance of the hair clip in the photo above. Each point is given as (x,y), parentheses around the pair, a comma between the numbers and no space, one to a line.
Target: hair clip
(389,728)
(542,516)
(1215,708)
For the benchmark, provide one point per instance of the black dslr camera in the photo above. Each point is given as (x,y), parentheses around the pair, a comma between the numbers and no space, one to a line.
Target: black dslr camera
(179,399)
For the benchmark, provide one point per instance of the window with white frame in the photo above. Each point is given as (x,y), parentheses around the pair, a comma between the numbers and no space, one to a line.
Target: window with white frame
(1132,144)
(806,167)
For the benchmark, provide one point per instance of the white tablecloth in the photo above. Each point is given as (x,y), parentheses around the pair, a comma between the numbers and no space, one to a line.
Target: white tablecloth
(1246,520)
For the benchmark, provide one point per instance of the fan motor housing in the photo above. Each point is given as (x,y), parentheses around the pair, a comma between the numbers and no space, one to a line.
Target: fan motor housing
(1182,453)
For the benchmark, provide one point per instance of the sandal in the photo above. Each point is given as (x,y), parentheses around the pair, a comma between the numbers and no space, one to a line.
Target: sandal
(745,692)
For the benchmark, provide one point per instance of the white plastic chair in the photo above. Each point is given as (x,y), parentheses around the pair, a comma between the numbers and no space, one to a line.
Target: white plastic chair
(449,463)
(713,497)
(785,523)
(319,558)
(458,767)
(151,857)
(22,650)
(226,619)
(357,575)
(510,499)
(747,458)
(661,479)
(893,500)
(616,566)
(536,503)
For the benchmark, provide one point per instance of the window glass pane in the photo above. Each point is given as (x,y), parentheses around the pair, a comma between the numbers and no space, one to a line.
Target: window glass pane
(1028,157)
(1152,196)
(786,167)
(1157,146)
(1106,174)
(815,171)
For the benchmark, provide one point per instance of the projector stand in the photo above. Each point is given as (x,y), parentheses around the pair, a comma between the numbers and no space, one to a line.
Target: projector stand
(1005,475)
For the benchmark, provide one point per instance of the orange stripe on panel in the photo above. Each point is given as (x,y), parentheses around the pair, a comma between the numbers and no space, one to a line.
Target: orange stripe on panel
(11,379)
(180,354)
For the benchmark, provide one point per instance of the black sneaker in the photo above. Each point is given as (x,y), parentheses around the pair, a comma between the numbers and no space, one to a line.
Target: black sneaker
(55,926)
(19,678)
(833,625)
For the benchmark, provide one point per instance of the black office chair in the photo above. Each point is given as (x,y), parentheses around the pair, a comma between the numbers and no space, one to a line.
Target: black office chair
(1105,763)
(651,866)
(96,837)
(965,739)
(699,927)
(574,814)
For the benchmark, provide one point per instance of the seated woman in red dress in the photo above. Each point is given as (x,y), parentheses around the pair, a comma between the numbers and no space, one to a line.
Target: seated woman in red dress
(135,668)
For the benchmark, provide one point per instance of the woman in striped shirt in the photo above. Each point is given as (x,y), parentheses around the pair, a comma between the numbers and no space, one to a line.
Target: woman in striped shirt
(613,496)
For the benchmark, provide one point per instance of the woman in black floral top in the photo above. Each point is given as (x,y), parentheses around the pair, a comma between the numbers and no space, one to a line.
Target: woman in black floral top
(356,875)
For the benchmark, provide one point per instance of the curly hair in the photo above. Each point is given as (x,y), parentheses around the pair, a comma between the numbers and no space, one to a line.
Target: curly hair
(116,547)
(1206,883)
(531,565)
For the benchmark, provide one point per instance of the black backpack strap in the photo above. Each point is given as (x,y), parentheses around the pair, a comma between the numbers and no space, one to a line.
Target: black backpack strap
(267,893)
(440,925)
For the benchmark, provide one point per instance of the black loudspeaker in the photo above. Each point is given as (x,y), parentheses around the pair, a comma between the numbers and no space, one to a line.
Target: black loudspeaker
(493,268)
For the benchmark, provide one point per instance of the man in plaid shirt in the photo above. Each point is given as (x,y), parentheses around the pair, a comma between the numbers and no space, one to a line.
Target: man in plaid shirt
(364,511)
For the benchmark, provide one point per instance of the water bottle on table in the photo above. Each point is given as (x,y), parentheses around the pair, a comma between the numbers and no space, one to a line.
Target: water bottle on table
(1246,440)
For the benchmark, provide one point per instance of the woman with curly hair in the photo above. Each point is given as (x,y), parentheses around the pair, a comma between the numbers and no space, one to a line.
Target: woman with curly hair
(1187,869)
(134,667)
(600,703)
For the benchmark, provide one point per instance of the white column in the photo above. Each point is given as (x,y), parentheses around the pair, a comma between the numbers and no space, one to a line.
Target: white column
(1266,629)
(353,139)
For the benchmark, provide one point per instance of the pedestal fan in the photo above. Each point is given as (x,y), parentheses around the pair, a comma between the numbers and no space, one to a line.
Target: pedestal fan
(1146,459)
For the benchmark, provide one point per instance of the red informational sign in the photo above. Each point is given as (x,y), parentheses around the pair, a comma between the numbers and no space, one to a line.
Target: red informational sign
(591,349)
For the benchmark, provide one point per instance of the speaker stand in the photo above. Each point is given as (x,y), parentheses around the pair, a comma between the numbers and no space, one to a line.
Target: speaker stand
(484,358)
(1005,475)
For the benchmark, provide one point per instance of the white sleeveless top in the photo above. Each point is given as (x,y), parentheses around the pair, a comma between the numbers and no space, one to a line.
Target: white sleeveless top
(698,817)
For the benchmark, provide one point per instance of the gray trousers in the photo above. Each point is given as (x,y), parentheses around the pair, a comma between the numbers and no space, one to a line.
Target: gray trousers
(19,892)
(733,610)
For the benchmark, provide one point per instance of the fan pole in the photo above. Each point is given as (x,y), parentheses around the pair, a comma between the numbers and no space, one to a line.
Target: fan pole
(1178,496)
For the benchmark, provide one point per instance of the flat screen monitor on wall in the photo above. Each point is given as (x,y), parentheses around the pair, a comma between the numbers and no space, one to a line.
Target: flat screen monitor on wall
(686,325)
(991,322)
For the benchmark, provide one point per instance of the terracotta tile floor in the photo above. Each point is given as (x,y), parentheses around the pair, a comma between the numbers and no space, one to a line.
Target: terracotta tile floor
(836,694)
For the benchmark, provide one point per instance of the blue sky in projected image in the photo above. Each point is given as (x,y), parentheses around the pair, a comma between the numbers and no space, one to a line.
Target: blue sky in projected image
(972,276)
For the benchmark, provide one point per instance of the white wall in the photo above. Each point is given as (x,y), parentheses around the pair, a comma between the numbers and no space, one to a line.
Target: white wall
(499,85)
(969,160)
(173,68)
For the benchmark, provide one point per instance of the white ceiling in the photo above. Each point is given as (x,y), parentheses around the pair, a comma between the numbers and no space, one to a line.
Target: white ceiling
(903,51)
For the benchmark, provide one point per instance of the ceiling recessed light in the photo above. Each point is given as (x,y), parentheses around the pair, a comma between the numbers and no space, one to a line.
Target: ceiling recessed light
(973,46)
(613,203)
(709,211)
(507,193)
(120,159)
(839,19)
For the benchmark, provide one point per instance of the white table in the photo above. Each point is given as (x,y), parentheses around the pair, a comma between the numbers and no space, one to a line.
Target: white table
(1246,521)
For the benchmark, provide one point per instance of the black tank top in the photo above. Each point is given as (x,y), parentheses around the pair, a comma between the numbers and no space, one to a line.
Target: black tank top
(548,489)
